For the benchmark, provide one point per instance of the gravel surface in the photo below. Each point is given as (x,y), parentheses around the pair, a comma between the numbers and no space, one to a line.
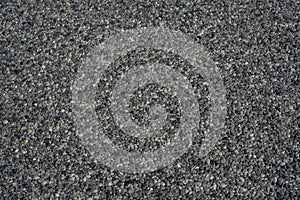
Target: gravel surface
(255,46)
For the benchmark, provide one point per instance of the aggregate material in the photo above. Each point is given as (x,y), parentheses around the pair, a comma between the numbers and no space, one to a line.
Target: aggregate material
(255,45)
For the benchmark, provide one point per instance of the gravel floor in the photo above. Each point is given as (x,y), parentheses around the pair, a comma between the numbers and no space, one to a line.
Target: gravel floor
(255,46)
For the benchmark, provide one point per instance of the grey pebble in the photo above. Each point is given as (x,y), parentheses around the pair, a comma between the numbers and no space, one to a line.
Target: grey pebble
(254,44)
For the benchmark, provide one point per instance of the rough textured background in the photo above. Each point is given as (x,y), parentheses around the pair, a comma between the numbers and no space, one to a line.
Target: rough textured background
(256,47)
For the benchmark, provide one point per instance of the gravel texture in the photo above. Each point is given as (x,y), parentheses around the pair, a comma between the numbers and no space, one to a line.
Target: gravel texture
(254,44)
